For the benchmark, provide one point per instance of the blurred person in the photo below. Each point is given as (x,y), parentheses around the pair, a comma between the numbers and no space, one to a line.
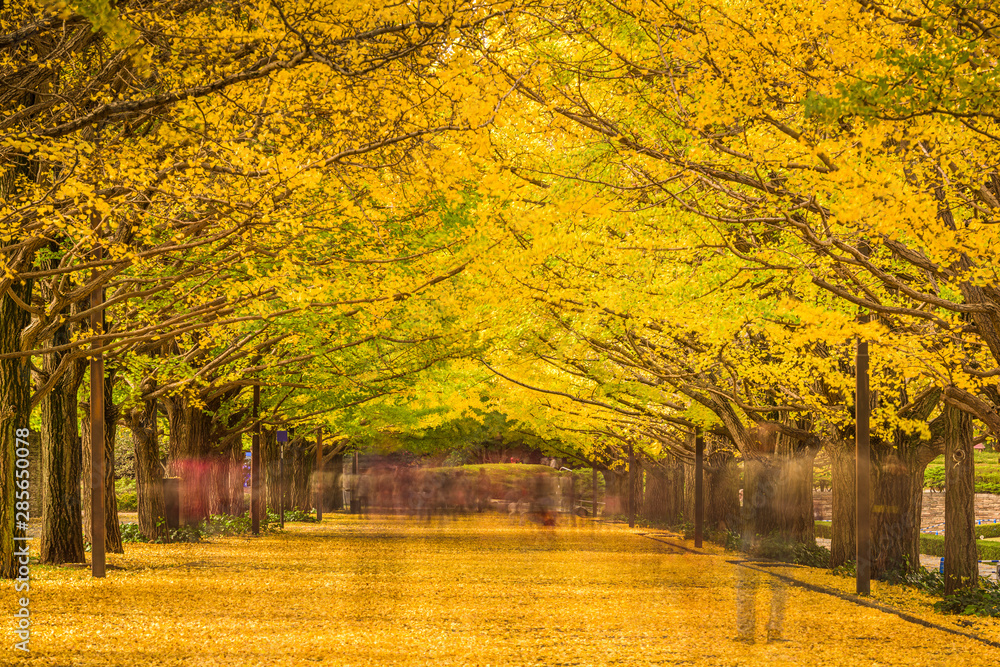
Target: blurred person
(483,491)
(747,584)
(347,484)
(364,490)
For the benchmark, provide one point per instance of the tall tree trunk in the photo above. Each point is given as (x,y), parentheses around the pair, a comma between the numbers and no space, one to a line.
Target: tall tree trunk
(270,461)
(112,527)
(675,495)
(333,492)
(795,497)
(897,494)
(148,472)
(62,523)
(722,491)
(301,468)
(961,566)
(612,492)
(843,473)
(216,481)
(635,493)
(760,483)
(687,509)
(112,531)
(190,435)
(654,506)
(15,412)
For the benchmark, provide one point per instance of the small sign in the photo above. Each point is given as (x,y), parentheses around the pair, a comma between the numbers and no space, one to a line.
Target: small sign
(247,455)
(282,436)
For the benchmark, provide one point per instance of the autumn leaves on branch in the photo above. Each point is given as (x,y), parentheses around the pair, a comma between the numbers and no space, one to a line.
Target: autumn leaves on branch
(618,222)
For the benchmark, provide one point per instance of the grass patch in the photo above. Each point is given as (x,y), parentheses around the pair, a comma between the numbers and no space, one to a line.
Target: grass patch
(987,473)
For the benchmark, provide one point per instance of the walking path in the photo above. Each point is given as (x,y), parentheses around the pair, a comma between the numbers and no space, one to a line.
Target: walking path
(473,591)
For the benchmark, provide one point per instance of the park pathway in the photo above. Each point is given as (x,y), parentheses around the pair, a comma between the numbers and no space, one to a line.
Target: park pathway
(471,591)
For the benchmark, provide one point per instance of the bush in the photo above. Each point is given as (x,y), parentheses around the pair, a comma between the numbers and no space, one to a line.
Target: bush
(824,529)
(848,569)
(125,492)
(128,501)
(131,533)
(933,545)
(983,601)
(778,548)
(299,515)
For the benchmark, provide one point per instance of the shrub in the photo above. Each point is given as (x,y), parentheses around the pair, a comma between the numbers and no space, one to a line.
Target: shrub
(131,533)
(778,548)
(933,545)
(848,569)
(299,515)
(128,502)
(982,601)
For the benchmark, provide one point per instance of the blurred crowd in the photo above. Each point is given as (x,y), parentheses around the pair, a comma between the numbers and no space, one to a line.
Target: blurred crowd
(426,492)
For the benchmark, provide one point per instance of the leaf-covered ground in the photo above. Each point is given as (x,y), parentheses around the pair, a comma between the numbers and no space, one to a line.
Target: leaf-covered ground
(477,591)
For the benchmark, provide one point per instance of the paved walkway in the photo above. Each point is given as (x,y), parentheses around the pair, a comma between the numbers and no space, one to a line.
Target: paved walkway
(471,591)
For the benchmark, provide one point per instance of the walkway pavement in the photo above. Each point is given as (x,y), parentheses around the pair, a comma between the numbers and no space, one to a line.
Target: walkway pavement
(475,591)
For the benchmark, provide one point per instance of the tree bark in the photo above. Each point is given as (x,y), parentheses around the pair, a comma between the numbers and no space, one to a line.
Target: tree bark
(333,492)
(675,496)
(897,494)
(612,493)
(654,506)
(62,523)
(148,472)
(843,473)
(635,493)
(270,462)
(190,432)
(722,491)
(112,527)
(15,412)
(961,566)
(301,470)
(795,497)
(760,515)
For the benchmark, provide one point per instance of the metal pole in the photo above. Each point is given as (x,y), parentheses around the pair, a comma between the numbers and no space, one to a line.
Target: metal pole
(255,466)
(281,487)
(319,474)
(699,496)
(97,444)
(862,408)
